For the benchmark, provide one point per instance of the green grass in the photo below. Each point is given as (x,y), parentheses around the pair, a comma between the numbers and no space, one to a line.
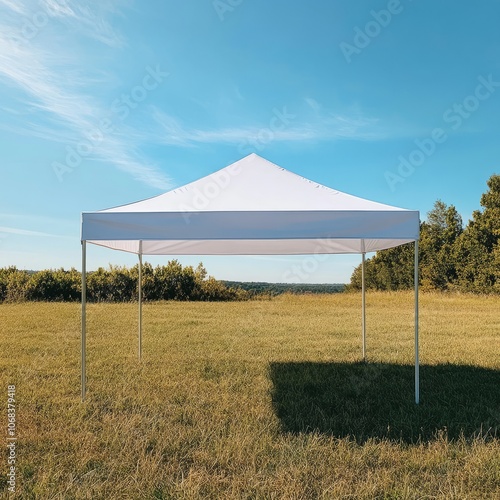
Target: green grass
(259,399)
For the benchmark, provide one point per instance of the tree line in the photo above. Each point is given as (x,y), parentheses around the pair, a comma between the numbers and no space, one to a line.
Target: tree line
(116,284)
(256,288)
(451,257)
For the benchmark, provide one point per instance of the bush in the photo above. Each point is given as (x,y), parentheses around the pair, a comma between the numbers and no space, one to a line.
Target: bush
(213,290)
(52,285)
(14,284)
(116,284)
(173,282)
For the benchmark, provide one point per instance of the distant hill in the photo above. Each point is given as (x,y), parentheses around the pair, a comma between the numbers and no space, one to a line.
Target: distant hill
(257,287)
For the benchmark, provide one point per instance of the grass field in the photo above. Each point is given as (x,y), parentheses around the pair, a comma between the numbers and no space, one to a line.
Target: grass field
(258,399)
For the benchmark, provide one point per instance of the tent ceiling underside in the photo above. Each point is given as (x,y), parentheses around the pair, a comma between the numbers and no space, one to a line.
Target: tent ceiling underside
(251,247)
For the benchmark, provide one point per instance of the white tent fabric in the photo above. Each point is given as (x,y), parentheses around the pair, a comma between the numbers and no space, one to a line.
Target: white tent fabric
(251,207)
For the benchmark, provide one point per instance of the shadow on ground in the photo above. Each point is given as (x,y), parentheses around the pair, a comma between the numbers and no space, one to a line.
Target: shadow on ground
(376,400)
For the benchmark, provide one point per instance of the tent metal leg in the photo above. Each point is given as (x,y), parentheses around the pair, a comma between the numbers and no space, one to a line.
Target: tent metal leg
(140,306)
(417,361)
(84,318)
(363,306)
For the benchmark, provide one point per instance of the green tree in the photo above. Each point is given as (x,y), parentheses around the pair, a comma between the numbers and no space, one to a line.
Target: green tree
(477,250)
(438,236)
(390,269)
(393,269)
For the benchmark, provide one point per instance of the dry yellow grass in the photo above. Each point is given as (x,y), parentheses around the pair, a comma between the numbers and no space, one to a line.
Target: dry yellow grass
(260,399)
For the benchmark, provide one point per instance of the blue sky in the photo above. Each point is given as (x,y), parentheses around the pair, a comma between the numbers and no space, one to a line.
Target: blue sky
(105,103)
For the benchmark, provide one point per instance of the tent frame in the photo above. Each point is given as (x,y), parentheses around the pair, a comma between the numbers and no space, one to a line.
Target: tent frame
(140,255)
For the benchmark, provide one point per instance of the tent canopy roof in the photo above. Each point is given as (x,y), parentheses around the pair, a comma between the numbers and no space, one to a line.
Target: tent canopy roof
(247,208)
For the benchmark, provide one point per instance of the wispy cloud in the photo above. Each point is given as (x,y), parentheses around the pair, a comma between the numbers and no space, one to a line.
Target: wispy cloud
(57,7)
(13,5)
(172,132)
(21,224)
(53,86)
(37,219)
(322,127)
(89,18)
(313,104)
(27,232)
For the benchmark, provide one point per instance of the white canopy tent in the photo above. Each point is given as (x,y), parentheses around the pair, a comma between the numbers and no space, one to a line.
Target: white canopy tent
(251,207)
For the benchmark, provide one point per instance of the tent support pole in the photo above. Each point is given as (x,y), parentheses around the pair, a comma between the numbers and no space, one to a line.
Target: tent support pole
(363,306)
(84,318)
(140,302)
(417,365)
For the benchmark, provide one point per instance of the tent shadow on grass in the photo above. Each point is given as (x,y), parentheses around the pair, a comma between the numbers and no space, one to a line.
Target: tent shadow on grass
(376,400)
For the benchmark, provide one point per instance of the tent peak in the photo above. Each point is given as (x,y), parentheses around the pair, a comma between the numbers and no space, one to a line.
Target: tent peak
(252,184)
(254,161)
